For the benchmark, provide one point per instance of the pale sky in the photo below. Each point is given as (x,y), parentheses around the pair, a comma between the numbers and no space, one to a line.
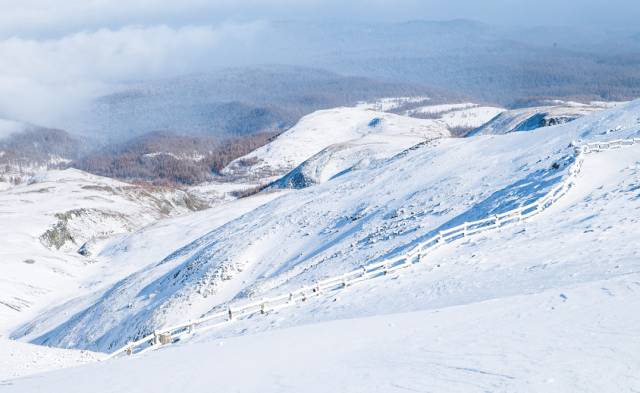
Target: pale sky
(51,17)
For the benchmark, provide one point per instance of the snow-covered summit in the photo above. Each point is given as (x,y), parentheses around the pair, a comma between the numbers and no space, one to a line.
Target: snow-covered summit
(322,129)
(531,118)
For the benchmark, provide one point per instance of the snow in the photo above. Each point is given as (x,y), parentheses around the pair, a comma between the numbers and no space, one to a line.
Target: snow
(21,359)
(541,305)
(193,156)
(439,109)
(359,217)
(470,117)
(526,119)
(324,129)
(115,258)
(567,245)
(33,271)
(464,115)
(391,103)
(553,341)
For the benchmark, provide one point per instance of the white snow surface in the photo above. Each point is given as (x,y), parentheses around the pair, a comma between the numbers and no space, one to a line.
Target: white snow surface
(526,119)
(458,116)
(440,108)
(581,338)
(542,305)
(336,130)
(380,210)
(80,208)
(21,359)
(391,103)
(470,117)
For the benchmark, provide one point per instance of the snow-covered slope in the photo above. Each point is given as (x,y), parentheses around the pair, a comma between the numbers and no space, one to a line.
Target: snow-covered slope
(381,209)
(45,223)
(457,117)
(378,133)
(531,118)
(390,104)
(575,339)
(20,359)
(479,315)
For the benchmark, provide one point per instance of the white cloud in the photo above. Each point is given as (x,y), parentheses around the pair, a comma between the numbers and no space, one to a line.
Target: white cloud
(40,79)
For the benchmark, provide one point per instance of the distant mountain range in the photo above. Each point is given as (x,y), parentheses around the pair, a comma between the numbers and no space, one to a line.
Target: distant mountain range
(319,66)
(231,102)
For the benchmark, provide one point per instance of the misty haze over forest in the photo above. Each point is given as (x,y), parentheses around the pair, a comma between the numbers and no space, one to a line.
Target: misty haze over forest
(59,59)
(122,79)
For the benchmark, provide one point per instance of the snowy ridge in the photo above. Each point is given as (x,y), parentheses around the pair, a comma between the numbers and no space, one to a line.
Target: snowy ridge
(46,223)
(339,131)
(530,118)
(370,271)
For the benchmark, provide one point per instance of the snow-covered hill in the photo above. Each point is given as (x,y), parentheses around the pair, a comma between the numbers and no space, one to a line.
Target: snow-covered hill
(459,118)
(27,149)
(49,221)
(381,209)
(366,132)
(478,315)
(572,339)
(531,118)
(20,359)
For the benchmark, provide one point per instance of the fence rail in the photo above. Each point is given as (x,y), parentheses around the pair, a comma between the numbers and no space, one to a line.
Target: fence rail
(172,334)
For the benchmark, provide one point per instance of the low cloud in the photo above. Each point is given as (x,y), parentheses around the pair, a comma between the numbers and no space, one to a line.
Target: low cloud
(40,80)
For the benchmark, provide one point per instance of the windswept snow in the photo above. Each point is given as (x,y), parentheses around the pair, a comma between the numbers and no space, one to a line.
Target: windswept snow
(439,109)
(58,213)
(540,305)
(578,338)
(20,359)
(567,246)
(379,210)
(391,103)
(531,118)
(463,116)
(47,283)
(381,134)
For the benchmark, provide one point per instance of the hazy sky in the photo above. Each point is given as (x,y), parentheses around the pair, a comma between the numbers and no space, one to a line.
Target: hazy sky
(56,53)
(46,17)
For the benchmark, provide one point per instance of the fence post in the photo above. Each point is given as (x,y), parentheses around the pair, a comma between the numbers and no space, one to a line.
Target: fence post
(230,313)
(262,309)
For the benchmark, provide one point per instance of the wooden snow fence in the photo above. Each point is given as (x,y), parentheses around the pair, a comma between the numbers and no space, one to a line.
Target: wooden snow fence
(263,306)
